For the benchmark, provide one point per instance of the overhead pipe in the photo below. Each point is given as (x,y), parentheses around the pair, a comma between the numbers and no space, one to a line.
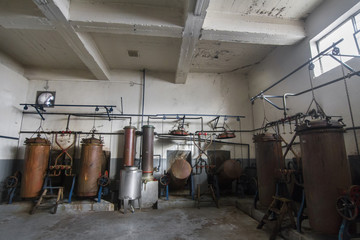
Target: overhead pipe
(173,118)
(296,70)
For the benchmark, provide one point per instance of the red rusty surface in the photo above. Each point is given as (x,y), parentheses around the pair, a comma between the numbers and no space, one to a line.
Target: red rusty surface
(90,167)
(326,172)
(269,159)
(36,162)
(180,171)
(129,146)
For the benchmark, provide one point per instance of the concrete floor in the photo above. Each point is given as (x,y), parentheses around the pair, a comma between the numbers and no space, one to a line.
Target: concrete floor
(186,223)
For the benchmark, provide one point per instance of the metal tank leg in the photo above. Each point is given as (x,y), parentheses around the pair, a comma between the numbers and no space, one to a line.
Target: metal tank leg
(72,189)
(139,202)
(126,205)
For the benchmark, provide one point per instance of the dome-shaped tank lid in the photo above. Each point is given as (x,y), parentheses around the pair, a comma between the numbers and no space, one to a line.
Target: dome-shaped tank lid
(148,126)
(265,137)
(91,140)
(319,124)
(37,140)
(130,127)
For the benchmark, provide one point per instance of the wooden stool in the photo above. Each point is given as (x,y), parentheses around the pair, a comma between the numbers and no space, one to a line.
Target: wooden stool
(59,196)
(212,193)
(279,207)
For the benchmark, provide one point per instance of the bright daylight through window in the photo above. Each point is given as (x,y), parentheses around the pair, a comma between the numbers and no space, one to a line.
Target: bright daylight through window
(349,30)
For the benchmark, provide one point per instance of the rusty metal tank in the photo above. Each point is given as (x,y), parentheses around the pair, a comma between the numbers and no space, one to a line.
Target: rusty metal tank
(326,172)
(148,152)
(229,171)
(90,167)
(268,153)
(129,146)
(179,171)
(36,162)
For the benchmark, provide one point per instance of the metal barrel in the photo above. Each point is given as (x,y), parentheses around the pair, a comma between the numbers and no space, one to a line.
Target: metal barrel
(326,172)
(148,152)
(269,159)
(229,171)
(90,167)
(129,146)
(180,171)
(130,183)
(36,162)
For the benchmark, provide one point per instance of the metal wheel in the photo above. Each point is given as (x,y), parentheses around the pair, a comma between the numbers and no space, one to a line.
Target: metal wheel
(354,193)
(346,208)
(11,181)
(103,181)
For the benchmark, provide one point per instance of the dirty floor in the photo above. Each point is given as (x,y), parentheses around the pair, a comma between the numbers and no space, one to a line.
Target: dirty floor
(187,223)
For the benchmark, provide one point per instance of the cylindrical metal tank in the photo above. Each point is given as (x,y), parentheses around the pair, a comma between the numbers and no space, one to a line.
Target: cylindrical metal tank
(129,146)
(269,159)
(148,152)
(179,171)
(130,183)
(36,162)
(229,171)
(90,167)
(326,172)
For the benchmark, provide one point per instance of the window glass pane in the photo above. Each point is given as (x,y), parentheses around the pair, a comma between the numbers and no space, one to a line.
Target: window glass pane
(347,46)
(357,21)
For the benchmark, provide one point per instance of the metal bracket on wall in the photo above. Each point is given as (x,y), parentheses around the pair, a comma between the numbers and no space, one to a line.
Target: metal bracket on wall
(40,108)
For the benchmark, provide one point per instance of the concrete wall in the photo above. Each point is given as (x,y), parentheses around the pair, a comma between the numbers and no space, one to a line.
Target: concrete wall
(285,59)
(202,94)
(12,92)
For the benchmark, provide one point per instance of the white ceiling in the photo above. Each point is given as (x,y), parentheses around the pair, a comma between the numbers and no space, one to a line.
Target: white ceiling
(178,36)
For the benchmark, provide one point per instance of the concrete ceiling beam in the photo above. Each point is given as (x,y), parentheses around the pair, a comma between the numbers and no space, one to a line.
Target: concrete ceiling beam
(11,21)
(196,11)
(57,12)
(122,18)
(128,29)
(232,27)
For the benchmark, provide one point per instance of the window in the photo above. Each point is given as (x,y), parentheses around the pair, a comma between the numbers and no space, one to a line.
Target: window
(349,30)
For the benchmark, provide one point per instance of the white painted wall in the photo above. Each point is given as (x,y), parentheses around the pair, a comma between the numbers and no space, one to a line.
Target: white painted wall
(203,93)
(285,59)
(12,92)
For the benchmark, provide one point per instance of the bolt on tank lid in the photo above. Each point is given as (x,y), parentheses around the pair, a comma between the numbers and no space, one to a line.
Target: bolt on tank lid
(91,140)
(37,140)
(266,137)
(319,124)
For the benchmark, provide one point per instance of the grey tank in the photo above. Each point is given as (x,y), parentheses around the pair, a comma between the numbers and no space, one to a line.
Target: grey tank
(130,183)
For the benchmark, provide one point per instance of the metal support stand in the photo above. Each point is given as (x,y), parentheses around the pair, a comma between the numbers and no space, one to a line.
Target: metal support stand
(72,189)
(256,199)
(131,201)
(300,217)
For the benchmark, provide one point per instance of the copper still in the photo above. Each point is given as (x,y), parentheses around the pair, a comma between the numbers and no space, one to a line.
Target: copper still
(90,167)
(326,172)
(36,162)
(129,146)
(269,159)
(229,171)
(148,152)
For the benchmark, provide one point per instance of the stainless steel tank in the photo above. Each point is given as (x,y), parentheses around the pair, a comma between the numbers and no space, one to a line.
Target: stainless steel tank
(269,159)
(36,162)
(325,170)
(130,183)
